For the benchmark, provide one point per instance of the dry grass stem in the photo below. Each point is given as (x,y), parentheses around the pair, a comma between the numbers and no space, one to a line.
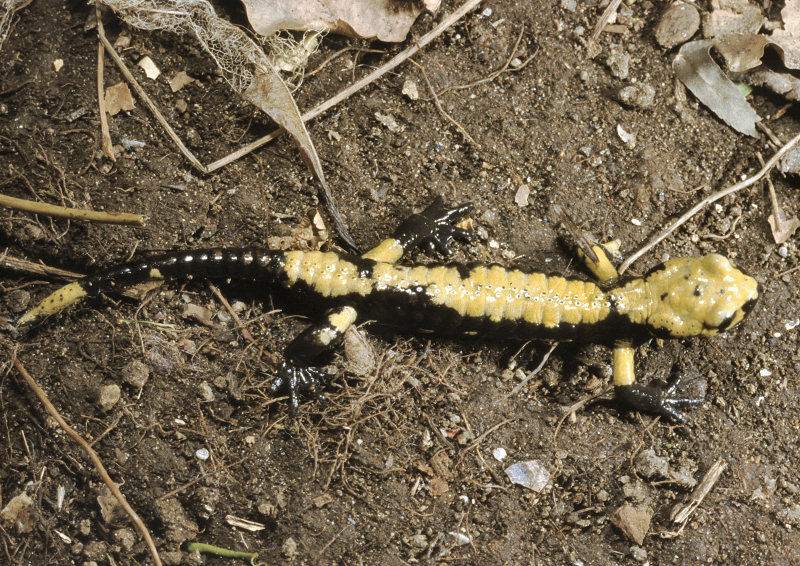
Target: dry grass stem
(147,100)
(444,114)
(107,145)
(605,18)
(72,213)
(30,268)
(708,200)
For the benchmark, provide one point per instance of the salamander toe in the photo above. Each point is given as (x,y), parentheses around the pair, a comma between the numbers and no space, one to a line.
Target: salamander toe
(657,397)
(298,382)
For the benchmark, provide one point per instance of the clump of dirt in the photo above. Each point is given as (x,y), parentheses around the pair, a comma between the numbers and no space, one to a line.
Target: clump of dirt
(405,461)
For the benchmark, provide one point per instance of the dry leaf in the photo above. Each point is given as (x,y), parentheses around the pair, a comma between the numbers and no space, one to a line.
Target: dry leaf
(741,52)
(386,20)
(787,40)
(149,67)
(732,17)
(782,226)
(180,80)
(268,92)
(118,97)
(781,83)
(697,70)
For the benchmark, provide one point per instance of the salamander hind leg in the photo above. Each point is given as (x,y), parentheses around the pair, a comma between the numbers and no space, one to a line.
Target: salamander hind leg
(302,373)
(433,228)
(657,397)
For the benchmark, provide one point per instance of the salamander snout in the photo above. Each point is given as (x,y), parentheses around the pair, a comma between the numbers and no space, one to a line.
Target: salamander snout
(699,296)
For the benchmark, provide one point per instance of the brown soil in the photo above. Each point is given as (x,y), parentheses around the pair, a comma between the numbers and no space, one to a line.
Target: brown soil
(397,467)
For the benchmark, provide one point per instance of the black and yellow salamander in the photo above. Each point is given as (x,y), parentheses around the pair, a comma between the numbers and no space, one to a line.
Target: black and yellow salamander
(681,298)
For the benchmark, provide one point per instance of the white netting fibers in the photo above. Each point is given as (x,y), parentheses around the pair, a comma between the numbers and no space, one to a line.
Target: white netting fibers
(235,53)
(7,9)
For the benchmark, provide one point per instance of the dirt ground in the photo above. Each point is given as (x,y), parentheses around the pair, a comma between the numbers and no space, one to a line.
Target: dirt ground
(403,464)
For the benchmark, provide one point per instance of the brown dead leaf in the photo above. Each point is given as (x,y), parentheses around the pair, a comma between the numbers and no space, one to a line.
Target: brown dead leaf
(787,40)
(741,52)
(386,20)
(782,226)
(269,93)
(732,17)
(180,80)
(118,97)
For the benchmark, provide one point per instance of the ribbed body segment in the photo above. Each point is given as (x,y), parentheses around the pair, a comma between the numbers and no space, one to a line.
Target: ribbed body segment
(489,301)
(485,300)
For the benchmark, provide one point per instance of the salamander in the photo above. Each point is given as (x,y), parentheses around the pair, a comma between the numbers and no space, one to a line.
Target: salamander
(680,298)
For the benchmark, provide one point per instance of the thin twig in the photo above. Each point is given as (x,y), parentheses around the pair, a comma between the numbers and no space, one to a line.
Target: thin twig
(98,464)
(107,145)
(681,513)
(604,19)
(708,200)
(30,268)
(494,74)
(355,87)
(536,370)
(236,319)
(73,213)
(146,99)
(441,110)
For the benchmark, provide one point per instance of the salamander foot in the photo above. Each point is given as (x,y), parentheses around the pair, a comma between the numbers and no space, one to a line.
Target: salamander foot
(434,228)
(657,397)
(297,381)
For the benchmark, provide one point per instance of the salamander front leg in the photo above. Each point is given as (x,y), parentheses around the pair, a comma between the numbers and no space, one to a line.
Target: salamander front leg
(657,397)
(302,373)
(434,228)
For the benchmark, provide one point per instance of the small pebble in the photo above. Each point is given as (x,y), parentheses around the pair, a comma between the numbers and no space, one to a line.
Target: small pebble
(499,453)
(125,537)
(678,24)
(639,554)
(521,198)
(569,5)
(637,96)
(791,162)
(206,393)
(108,397)
(619,62)
(289,548)
(18,512)
(135,374)
(410,89)
(193,138)
(18,300)
(531,474)
(389,122)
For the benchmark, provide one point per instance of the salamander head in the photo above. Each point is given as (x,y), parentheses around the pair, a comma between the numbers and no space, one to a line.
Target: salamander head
(698,296)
